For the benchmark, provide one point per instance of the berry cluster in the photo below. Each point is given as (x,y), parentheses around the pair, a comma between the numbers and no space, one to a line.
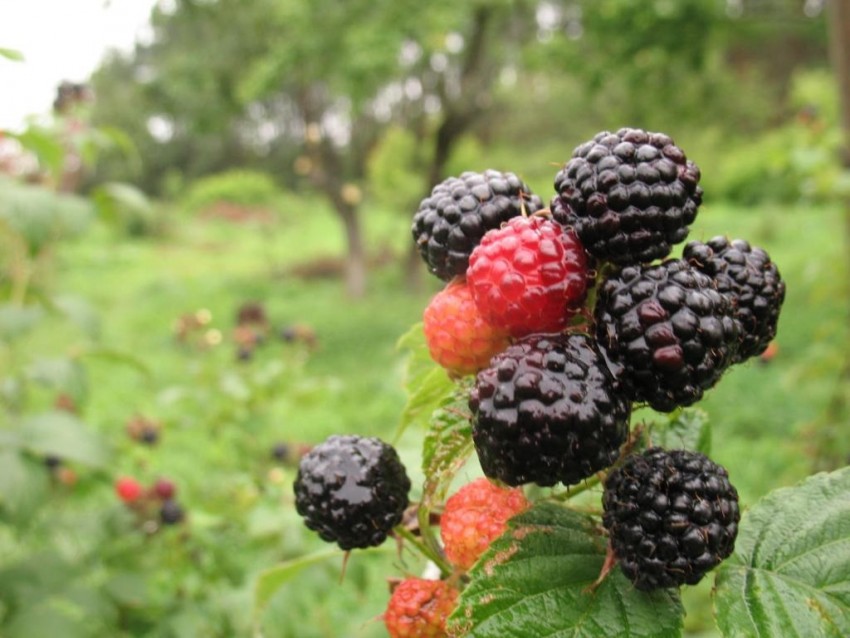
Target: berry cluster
(554,404)
(158,501)
(568,318)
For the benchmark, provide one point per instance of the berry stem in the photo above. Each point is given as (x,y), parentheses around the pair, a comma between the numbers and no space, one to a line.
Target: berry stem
(427,533)
(588,484)
(607,566)
(434,556)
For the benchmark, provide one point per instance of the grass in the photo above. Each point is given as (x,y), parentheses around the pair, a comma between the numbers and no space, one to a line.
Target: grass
(221,416)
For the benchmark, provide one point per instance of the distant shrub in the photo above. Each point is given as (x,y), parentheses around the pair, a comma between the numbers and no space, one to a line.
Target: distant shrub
(795,162)
(237,187)
(40,216)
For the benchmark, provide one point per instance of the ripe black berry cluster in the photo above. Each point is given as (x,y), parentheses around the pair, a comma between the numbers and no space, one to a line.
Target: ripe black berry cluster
(569,318)
(553,405)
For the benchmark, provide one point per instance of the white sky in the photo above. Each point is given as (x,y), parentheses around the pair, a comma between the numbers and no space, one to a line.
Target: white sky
(60,40)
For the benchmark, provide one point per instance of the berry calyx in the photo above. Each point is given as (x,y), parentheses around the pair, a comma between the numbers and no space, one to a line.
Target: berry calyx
(128,489)
(529,276)
(475,516)
(458,338)
(671,517)
(418,608)
(352,490)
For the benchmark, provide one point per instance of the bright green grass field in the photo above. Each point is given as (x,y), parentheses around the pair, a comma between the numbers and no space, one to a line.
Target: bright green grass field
(221,416)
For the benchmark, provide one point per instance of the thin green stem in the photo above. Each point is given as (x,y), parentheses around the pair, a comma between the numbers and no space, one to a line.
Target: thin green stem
(423,516)
(434,556)
(589,484)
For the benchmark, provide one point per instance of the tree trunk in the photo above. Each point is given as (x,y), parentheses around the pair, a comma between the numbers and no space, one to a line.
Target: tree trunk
(355,263)
(327,175)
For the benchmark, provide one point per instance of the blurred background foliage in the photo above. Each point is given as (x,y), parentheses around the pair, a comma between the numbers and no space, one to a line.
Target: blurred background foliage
(213,236)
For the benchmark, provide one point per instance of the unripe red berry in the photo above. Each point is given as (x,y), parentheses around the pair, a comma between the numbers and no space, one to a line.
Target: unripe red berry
(128,489)
(475,516)
(458,337)
(528,276)
(418,608)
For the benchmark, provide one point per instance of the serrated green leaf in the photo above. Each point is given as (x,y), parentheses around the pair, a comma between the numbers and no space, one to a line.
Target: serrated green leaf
(790,574)
(445,449)
(687,429)
(535,579)
(64,435)
(428,386)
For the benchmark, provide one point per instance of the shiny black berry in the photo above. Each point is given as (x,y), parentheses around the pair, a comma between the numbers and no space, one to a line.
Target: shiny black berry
(630,195)
(352,490)
(752,281)
(668,332)
(452,220)
(671,517)
(548,410)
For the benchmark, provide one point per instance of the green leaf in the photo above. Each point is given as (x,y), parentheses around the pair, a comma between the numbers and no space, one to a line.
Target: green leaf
(271,580)
(445,449)
(428,385)
(128,588)
(46,145)
(11,54)
(120,203)
(80,312)
(60,375)
(47,618)
(64,435)
(119,357)
(17,320)
(535,579)
(23,484)
(687,429)
(790,573)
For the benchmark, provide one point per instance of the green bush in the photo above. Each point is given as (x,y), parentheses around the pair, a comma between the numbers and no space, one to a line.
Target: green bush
(40,216)
(797,161)
(238,187)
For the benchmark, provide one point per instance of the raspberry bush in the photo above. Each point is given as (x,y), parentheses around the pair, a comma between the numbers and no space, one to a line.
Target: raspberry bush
(599,499)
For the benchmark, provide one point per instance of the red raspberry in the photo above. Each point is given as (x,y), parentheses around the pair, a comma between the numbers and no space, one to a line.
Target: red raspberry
(528,276)
(128,489)
(458,338)
(475,516)
(419,608)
